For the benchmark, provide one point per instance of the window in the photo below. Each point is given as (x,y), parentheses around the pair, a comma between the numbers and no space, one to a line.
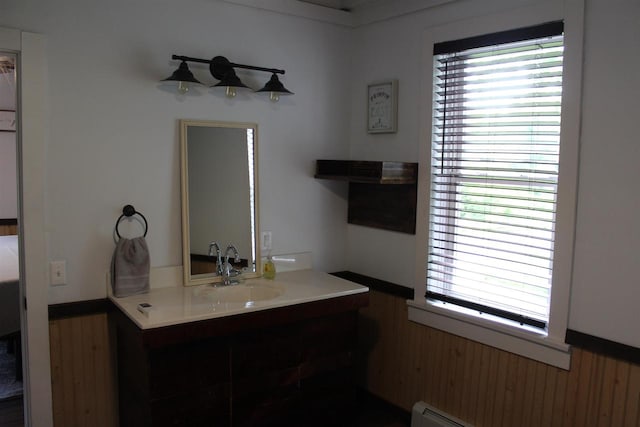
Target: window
(494,173)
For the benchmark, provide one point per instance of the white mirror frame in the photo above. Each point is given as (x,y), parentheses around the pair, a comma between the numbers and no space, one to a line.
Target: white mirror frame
(189,279)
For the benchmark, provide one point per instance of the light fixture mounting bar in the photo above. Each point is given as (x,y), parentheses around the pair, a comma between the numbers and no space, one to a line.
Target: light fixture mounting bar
(227,63)
(188,58)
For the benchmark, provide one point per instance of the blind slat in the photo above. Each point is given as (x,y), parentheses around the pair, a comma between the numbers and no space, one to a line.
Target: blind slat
(535,301)
(455,71)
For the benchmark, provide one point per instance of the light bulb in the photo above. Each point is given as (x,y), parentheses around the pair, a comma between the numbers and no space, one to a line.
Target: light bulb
(274,96)
(230,92)
(183,87)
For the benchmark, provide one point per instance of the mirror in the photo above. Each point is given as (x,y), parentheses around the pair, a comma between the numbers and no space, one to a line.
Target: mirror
(219,197)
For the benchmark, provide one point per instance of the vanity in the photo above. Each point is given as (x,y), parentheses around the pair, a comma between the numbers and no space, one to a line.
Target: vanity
(207,356)
(226,347)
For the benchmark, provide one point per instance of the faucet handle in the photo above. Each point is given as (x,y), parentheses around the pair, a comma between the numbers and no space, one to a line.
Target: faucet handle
(216,246)
(236,254)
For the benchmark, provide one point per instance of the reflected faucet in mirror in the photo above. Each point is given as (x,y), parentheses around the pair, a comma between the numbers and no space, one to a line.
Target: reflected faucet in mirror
(227,269)
(212,246)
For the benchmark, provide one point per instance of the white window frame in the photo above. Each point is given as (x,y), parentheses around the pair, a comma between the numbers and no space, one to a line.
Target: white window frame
(548,348)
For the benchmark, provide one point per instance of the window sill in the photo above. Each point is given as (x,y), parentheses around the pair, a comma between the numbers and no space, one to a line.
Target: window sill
(524,342)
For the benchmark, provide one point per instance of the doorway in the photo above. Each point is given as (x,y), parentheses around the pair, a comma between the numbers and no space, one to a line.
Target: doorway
(11,386)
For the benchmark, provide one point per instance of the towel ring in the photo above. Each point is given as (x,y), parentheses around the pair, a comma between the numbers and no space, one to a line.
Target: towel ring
(129,211)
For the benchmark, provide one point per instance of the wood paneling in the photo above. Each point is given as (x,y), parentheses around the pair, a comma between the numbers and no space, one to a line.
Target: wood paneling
(403,362)
(377,284)
(8,229)
(201,266)
(82,372)
(599,345)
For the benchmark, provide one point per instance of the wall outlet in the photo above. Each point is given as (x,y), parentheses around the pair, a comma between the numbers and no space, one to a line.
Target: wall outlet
(58,273)
(265,241)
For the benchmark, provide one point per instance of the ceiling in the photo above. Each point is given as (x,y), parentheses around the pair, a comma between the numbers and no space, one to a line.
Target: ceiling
(369,11)
(347,5)
(350,13)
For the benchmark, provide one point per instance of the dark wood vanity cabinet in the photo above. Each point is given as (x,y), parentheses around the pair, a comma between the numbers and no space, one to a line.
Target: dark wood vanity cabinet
(289,366)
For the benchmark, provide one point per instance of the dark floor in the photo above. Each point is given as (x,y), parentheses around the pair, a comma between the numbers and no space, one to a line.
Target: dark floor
(11,408)
(11,412)
(375,412)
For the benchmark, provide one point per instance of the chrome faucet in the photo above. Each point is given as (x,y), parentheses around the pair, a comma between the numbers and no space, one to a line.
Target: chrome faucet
(227,271)
(215,245)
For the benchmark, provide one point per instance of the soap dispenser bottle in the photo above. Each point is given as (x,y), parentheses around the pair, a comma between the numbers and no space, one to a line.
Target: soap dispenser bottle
(269,269)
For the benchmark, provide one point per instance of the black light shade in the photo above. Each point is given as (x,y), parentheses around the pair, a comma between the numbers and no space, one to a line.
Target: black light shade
(274,85)
(182,74)
(230,80)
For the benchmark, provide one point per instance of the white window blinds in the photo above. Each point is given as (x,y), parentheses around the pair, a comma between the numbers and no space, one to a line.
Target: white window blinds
(495,151)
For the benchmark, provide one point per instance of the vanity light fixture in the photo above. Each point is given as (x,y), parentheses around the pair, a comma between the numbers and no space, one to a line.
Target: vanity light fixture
(223,70)
(182,76)
(275,88)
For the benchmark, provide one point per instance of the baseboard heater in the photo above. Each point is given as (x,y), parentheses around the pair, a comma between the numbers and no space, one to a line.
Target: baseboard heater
(424,415)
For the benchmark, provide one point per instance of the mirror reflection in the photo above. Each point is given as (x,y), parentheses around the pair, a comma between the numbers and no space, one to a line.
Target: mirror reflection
(219,202)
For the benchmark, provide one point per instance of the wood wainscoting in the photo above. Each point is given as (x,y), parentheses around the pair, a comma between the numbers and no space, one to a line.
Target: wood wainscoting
(8,227)
(404,362)
(82,372)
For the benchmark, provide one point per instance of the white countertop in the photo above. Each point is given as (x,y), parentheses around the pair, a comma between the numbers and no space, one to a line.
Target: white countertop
(182,304)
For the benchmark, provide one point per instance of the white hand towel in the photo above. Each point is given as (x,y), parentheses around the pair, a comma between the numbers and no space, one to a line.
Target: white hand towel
(130,267)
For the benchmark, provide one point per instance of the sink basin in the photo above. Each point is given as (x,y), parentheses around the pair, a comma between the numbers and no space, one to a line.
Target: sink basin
(240,293)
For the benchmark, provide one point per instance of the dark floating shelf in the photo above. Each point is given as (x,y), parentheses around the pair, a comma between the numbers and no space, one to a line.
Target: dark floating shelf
(370,172)
(381,194)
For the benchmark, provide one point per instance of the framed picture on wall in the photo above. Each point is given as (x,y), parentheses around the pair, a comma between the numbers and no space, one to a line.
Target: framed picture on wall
(382,107)
(7,120)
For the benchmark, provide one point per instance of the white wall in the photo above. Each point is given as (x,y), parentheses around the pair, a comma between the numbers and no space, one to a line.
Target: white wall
(113,132)
(7,90)
(605,289)
(8,183)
